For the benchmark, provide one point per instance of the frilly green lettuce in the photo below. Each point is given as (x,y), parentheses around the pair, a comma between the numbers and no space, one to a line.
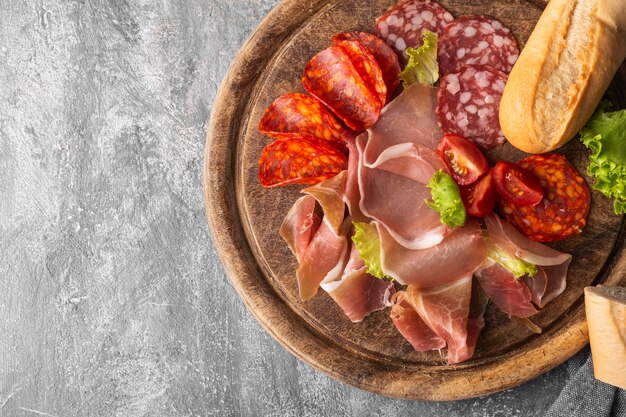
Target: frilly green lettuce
(605,135)
(367,242)
(446,199)
(422,66)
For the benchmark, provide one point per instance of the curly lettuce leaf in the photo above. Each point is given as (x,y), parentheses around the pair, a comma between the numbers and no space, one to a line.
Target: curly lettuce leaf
(512,263)
(446,199)
(422,66)
(367,242)
(605,135)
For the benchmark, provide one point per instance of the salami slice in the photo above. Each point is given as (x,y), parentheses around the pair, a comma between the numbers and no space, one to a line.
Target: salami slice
(296,115)
(332,78)
(402,25)
(365,64)
(299,161)
(476,40)
(565,205)
(468,102)
(383,54)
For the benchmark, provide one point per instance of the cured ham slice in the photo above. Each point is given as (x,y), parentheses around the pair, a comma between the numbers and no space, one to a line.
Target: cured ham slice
(330,195)
(554,264)
(412,223)
(324,259)
(299,225)
(411,325)
(445,309)
(357,292)
(409,119)
(351,194)
(457,256)
(511,295)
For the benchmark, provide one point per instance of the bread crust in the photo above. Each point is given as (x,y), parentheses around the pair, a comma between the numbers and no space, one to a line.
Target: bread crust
(562,72)
(606,316)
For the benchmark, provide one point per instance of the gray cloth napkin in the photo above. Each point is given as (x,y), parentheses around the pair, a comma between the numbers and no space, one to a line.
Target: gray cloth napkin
(584,396)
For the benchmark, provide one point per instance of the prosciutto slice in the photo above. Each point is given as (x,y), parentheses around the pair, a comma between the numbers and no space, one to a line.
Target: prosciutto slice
(457,256)
(398,203)
(351,194)
(511,295)
(330,196)
(409,118)
(357,292)
(299,225)
(554,264)
(324,259)
(445,309)
(411,326)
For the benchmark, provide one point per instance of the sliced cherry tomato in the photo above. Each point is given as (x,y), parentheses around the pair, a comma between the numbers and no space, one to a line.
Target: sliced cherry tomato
(480,198)
(517,185)
(464,159)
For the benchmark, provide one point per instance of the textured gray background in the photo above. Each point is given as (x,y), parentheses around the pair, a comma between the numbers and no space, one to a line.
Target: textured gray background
(112,299)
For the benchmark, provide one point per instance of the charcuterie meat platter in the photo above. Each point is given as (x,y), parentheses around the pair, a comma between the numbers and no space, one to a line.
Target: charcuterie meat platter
(370,353)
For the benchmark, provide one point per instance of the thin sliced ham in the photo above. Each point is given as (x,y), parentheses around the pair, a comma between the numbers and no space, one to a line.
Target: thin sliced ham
(299,225)
(409,118)
(357,292)
(411,326)
(351,194)
(445,309)
(511,295)
(411,161)
(330,196)
(554,264)
(324,260)
(457,256)
(398,203)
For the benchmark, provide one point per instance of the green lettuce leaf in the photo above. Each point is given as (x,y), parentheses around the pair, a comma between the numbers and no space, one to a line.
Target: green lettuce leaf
(512,263)
(446,199)
(422,66)
(605,135)
(367,242)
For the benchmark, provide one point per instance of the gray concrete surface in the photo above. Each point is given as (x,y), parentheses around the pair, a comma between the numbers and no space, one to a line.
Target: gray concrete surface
(112,299)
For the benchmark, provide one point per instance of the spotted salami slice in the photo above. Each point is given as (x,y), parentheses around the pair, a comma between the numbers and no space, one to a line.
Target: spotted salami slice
(300,115)
(366,66)
(468,102)
(476,40)
(403,24)
(383,54)
(332,78)
(565,205)
(299,161)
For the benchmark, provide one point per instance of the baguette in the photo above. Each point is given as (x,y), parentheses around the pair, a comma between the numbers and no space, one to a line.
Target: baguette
(606,315)
(566,66)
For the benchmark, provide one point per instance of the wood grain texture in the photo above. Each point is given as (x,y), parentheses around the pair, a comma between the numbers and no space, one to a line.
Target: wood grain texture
(244,219)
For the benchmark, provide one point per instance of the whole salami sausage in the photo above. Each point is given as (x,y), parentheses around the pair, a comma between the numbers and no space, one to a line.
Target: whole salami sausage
(299,161)
(403,25)
(564,208)
(468,102)
(333,79)
(476,40)
(383,54)
(300,115)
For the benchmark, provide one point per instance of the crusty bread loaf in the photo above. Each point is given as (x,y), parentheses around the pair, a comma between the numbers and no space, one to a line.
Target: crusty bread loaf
(562,72)
(606,315)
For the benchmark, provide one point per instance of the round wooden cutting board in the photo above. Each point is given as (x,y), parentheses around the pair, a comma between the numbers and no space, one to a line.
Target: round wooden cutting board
(245,218)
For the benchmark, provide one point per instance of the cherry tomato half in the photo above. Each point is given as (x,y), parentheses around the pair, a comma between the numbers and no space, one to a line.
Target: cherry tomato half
(480,198)
(464,159)
(517,185)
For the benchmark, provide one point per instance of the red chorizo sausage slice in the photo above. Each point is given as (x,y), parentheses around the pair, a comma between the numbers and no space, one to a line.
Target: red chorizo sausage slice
(332,78)
(299,161)
(296,115)
(565,205)
(383,54)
